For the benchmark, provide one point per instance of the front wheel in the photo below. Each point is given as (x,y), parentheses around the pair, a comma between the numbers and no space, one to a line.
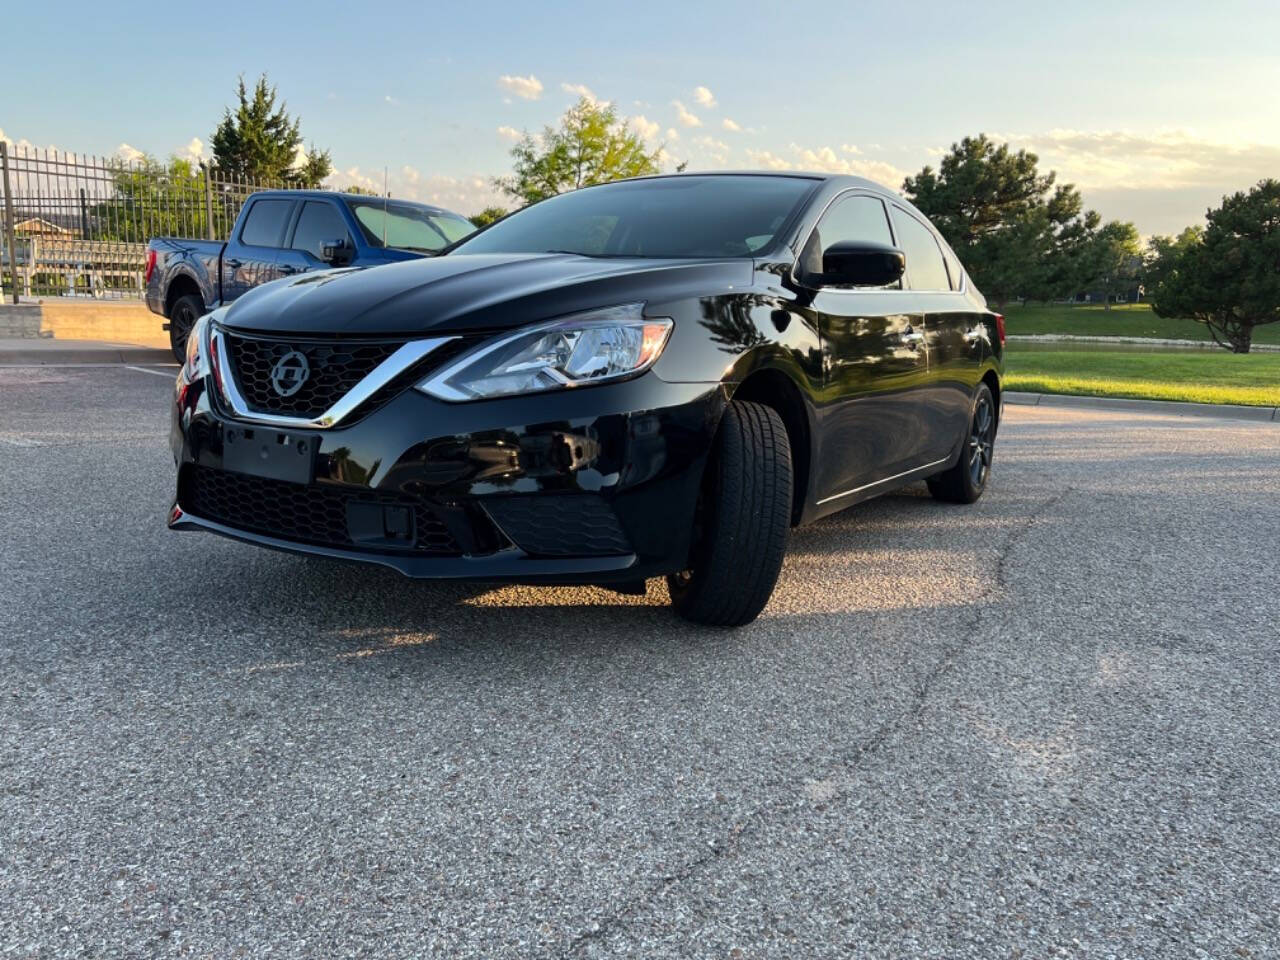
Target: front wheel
(186,311)
(965,481)
(744,517)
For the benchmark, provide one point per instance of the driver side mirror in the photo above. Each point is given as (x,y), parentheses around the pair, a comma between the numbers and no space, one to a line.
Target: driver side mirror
(334,252)
(854,264)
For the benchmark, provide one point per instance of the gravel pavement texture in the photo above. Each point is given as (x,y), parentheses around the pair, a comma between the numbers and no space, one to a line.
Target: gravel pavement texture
(1045,725)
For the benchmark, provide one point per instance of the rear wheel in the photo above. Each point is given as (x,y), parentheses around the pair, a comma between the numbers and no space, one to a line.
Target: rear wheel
(965,481)
(186,311)
(744,515)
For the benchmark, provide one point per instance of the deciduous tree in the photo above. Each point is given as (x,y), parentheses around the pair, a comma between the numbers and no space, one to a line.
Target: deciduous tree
(590,146)
(488,215)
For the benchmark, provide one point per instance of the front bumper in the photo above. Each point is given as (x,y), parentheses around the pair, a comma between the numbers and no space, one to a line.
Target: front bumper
(590,485)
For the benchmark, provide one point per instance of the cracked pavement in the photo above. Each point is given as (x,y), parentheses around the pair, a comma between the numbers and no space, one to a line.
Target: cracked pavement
(1045,725)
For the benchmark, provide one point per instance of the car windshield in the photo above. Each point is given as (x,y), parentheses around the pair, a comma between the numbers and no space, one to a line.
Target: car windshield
(407,226)
(687,216)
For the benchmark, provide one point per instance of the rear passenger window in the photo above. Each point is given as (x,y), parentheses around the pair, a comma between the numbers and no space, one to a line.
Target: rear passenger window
(925,269)
(264,226)
(318,223)
(858,219)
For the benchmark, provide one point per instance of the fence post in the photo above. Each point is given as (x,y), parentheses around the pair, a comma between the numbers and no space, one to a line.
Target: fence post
(208,200)
(8,221)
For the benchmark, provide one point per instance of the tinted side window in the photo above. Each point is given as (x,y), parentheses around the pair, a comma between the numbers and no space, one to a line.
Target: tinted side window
(925,269)
(264,225)
(319,222)
(855,218)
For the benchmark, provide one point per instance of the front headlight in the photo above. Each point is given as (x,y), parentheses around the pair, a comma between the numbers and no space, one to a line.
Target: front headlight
(197,362)
(592,347)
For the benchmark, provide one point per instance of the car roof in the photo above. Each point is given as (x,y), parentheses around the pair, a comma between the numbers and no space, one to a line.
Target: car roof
(841,180)
(343,195)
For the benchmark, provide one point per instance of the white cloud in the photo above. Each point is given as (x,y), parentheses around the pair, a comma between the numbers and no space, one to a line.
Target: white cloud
(731,125)
(768,160)
(510,133)
(193,150)
(704,97)
(1169,159)
(711,143)
(127,153)
(648,129)
(526,88)
(465,194)
(851,148)
(826,160)
(686,118)
(390,99)
(580,90)
(26,145)
(673,133)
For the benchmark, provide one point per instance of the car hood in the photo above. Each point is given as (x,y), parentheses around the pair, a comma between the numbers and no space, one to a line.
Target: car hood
(472,292)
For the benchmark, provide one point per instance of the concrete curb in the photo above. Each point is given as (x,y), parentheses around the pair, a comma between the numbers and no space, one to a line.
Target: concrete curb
(10,357)
(1069,338)
(1170,408)
(100,321)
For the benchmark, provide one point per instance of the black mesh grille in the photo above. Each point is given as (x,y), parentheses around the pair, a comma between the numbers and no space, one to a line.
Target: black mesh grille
(335,367)
(290,511)
(565,525)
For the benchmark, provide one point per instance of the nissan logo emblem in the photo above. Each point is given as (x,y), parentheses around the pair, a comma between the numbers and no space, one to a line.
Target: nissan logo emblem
(290,373)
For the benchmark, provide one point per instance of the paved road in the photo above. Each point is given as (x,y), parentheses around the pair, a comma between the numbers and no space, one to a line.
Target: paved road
(1043,726)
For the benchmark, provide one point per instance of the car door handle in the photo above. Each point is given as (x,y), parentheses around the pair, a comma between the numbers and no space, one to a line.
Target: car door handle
(912,337)
(286,269)
(232,263)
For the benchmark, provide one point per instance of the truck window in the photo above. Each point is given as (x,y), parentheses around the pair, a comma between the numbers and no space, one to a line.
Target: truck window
(264,225)
(318,223)
(407,227)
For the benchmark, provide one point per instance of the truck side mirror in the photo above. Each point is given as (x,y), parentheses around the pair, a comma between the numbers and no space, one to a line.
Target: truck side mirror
(334,252)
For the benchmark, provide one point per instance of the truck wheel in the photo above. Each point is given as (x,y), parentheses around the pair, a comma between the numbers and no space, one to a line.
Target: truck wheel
(965,481)
(744,516)
(186,311)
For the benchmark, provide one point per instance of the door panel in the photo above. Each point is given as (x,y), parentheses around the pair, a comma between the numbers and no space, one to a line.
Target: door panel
(875,360)
(953,333)
(250,257)
(954,357)
(318,222)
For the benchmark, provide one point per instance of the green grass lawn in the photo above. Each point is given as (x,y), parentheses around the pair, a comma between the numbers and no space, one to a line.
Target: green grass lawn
(1122,320)
(1209,377)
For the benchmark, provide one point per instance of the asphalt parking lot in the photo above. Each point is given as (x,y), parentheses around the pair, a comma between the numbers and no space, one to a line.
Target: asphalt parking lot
(1046,725)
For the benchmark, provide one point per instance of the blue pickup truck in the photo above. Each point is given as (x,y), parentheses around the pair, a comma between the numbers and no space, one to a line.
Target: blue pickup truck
(283,232)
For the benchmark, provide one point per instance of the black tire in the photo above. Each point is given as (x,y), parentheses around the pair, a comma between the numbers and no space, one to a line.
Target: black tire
(186,311)
(964,482)
(744,517)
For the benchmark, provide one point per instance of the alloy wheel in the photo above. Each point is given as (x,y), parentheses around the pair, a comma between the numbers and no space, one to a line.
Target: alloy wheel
(981,441)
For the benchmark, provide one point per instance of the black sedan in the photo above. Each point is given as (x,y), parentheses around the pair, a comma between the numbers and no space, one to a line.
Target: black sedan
(654,377)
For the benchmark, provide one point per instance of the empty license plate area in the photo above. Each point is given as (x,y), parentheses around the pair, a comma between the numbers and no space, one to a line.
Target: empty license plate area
(276,454)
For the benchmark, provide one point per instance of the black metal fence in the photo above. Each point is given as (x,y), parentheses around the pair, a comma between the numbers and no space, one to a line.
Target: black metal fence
(77,225)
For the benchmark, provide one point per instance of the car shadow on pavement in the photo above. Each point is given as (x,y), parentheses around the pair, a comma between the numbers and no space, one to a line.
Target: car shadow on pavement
(275,611)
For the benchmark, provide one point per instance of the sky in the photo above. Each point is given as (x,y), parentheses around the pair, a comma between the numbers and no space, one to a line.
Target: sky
(1153,109)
